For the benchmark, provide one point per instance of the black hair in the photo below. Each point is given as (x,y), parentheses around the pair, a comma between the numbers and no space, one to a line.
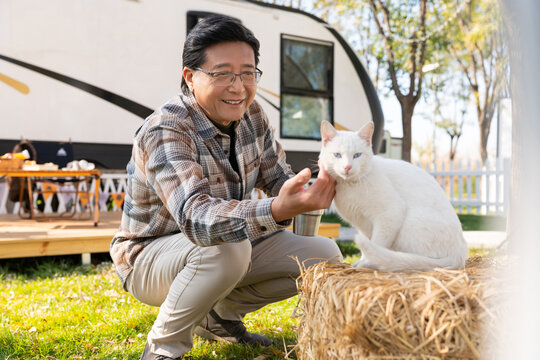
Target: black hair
(212,30)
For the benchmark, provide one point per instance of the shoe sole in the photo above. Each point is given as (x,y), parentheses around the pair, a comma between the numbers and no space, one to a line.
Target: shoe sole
(205,334)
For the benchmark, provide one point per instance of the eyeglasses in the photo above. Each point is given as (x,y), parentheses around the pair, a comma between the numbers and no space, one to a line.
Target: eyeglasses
(220,78)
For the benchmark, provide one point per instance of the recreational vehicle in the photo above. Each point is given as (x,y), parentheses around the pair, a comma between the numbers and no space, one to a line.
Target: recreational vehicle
(88,73)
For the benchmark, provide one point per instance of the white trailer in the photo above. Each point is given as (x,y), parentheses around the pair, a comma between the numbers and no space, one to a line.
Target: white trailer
(90,71)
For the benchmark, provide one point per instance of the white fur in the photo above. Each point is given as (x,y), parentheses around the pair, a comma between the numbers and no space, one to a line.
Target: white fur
(405,217)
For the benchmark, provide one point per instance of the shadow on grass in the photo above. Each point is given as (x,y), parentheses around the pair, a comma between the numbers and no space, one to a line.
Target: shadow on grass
(205,349)
(49,266)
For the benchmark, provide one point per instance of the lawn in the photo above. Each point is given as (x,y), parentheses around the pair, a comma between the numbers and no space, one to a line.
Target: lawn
(468,222)
(53,308)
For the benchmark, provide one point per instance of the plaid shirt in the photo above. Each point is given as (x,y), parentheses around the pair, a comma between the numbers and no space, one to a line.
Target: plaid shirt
(180,180)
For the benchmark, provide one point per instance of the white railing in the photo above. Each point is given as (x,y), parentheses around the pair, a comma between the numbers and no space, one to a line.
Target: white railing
(471,188)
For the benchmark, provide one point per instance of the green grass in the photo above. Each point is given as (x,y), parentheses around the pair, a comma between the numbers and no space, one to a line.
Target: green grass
(482,222)
(468,222)
(54,309)
(334,219)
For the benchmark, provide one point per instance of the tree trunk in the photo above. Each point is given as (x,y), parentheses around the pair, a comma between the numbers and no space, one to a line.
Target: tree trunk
(407,109)
(484,135)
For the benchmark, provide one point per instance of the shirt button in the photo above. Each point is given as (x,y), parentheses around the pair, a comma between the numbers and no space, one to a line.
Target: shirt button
(263,228)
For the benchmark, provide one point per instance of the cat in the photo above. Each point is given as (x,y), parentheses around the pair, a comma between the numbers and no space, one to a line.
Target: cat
(405,219)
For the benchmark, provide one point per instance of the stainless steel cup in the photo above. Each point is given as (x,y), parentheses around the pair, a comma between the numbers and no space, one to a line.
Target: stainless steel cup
(307,224)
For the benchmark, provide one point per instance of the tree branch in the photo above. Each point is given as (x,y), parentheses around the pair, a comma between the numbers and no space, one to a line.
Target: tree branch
(387,46)
(423,9)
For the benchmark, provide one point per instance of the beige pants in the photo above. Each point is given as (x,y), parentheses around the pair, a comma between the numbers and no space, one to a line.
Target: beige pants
(187,281)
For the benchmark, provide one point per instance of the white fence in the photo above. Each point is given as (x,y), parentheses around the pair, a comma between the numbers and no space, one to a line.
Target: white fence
(471,188)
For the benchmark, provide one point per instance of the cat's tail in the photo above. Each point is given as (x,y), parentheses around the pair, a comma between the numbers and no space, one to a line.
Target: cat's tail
(378,257)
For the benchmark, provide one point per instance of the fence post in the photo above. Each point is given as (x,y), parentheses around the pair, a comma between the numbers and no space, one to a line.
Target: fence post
(488,193)
(460,186)
(469,187)
(506,183)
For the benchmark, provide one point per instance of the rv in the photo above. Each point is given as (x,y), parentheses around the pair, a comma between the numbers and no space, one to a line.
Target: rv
(88,73)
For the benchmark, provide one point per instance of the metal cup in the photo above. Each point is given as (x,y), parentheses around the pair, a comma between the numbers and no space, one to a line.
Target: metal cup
(307,224)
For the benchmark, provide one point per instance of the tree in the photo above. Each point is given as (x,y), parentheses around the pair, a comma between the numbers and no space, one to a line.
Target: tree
(409,37)
(445,116)
(479,47)
(454,130)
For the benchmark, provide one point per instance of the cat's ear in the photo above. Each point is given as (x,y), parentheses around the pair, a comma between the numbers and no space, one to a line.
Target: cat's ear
(327,131)
(366,132)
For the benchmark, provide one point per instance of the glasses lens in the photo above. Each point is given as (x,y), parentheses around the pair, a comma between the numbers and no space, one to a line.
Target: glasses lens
(223,79)
(251,78)
(248,78)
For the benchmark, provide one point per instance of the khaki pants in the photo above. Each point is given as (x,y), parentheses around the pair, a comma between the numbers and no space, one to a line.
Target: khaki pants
(187,281)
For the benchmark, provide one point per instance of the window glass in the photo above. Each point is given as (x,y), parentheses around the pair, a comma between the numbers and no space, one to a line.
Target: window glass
(301,116)
(306,65)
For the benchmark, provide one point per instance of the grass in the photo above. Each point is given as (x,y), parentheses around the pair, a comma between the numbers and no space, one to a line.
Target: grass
(52,308)
(468,222)
(482,222)
(55,309)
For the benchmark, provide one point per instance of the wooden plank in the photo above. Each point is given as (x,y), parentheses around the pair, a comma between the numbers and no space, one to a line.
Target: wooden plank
(62,246)
(26,238)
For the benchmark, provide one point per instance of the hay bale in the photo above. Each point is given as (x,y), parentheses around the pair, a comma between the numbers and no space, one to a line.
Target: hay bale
(351,313)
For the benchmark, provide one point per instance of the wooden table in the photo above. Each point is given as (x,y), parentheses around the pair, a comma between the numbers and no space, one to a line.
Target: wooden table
(31,175)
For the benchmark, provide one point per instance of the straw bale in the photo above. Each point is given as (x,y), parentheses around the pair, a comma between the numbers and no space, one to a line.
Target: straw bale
(351,313)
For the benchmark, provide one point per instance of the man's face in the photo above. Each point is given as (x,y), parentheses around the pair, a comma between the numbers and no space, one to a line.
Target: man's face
(223,104)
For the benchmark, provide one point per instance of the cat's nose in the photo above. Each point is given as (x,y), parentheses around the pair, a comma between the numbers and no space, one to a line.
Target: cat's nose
(347,169)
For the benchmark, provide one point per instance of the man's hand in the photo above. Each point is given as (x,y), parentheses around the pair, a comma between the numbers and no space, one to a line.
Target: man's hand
(293,199)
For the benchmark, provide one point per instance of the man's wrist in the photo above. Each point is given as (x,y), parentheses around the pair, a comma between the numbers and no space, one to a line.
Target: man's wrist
(277,213)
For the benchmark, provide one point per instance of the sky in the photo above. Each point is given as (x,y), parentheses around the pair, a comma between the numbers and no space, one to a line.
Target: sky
(468,145)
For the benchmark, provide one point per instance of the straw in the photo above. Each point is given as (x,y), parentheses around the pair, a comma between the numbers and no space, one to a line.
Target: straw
(351,313)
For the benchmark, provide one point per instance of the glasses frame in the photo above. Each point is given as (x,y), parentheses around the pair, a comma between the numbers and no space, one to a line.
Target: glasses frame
(213,74)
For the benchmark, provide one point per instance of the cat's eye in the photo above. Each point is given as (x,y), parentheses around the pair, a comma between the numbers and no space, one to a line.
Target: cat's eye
(357,155)
(337,155)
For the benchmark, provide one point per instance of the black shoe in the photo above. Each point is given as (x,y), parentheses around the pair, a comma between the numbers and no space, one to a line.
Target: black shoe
(215,328)
(146,356)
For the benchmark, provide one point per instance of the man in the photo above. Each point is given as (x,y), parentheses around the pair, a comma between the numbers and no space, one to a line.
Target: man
(191,241)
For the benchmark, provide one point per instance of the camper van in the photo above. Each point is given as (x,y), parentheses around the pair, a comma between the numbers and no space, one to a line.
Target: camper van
(87,73)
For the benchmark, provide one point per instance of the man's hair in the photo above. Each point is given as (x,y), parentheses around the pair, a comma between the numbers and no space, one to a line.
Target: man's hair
(213,30)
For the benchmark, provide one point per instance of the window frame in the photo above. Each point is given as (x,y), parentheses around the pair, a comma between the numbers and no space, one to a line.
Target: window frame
(287,90)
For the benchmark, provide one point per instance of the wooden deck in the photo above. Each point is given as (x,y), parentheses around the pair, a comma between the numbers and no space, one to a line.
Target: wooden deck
(25,238)
(28,238)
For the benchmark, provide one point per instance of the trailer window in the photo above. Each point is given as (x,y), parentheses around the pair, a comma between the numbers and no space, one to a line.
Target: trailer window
(306,86)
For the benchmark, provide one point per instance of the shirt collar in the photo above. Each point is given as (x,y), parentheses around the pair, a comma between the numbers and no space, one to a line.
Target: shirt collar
(204,126)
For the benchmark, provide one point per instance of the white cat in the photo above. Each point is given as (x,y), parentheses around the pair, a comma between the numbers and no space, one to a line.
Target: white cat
(405,217)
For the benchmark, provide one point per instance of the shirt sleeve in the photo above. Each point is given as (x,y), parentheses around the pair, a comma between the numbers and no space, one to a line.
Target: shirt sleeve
(177,178)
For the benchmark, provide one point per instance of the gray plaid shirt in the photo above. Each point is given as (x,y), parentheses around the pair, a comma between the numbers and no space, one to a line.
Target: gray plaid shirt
(180,180)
